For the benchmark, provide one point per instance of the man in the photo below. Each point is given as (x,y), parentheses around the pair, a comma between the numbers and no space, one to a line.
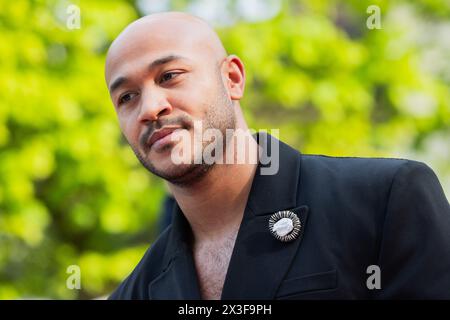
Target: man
(310,230)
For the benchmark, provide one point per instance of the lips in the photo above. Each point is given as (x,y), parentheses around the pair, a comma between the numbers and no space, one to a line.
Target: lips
(161,133)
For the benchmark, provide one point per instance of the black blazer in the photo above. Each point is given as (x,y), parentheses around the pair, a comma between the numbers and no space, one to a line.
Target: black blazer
(354,212)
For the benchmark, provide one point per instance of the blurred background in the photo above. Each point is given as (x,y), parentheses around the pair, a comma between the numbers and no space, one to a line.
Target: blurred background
(72,191)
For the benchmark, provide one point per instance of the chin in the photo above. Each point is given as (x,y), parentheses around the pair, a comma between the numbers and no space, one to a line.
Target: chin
(171,171)
(185,174)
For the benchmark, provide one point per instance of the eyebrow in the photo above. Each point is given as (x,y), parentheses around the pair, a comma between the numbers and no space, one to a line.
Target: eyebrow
(156,63)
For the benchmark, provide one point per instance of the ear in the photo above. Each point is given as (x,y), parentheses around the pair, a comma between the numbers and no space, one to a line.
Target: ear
(234,77)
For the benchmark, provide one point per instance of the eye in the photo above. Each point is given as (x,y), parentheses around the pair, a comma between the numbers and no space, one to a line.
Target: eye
(126,97)
(168,76)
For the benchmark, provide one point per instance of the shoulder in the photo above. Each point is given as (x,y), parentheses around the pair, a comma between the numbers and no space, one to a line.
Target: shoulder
(135,286)
(359,184)
(344,164)
(358,171)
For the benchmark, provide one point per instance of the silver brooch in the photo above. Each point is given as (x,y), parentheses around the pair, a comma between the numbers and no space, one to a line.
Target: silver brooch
(285,225)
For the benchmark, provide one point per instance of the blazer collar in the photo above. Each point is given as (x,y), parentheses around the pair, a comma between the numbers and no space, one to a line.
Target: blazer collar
(259,262)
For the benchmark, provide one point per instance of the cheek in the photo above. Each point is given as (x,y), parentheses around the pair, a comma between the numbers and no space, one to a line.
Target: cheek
(129,129)
(194,101)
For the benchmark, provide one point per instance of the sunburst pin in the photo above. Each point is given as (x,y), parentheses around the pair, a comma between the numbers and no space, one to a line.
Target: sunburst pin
(285,225)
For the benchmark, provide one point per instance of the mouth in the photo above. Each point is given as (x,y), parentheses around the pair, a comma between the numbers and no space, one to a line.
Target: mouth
(161,137)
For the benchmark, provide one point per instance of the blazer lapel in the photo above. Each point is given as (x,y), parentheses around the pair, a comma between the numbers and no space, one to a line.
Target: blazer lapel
(259,261)
(178,280)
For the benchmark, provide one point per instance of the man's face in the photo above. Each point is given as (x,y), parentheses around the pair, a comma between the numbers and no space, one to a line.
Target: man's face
(161,81)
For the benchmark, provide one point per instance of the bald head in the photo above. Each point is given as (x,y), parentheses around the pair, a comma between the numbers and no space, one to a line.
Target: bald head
(167,31)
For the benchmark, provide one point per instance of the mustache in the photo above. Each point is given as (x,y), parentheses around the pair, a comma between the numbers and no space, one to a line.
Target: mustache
(181,121)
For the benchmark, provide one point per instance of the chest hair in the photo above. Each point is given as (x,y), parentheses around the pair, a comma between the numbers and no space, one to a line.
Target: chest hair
(211,262)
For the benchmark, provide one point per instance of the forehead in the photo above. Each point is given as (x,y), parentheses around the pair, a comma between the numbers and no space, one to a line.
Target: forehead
(147,42)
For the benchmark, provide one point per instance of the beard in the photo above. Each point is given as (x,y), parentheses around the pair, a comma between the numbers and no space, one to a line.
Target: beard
(219,115)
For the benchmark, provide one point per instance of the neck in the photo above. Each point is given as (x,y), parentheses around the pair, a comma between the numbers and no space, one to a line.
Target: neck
(214,206)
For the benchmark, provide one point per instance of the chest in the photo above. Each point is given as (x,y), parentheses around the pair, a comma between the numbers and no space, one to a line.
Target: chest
(211,263)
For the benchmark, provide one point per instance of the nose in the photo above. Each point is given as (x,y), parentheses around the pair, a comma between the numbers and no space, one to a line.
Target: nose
(153,106)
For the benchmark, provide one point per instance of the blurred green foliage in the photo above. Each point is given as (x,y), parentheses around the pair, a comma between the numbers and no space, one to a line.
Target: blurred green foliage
(72,191)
